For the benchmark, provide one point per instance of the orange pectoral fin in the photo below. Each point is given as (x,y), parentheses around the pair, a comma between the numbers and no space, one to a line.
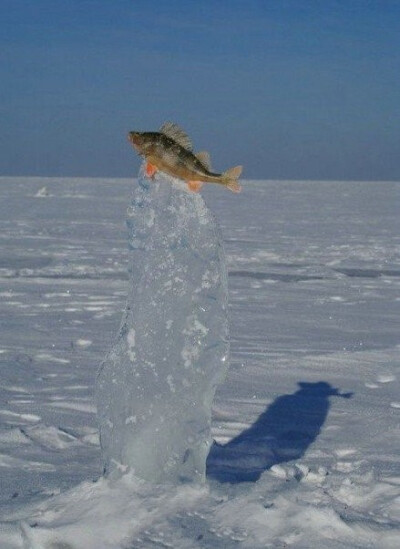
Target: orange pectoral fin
(195,186)
(150,169)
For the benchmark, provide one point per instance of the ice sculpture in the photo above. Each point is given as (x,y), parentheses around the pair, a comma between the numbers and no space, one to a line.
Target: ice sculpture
(156,385)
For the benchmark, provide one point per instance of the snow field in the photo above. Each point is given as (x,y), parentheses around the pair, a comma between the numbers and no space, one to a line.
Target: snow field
(307,422)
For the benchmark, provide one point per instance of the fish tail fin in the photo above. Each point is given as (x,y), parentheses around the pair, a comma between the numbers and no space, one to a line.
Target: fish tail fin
(230,177)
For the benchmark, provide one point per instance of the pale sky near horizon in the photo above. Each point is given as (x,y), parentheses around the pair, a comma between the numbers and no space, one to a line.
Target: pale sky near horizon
(290,89)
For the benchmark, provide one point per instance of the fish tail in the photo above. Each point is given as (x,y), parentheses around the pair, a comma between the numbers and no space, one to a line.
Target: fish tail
(230,177)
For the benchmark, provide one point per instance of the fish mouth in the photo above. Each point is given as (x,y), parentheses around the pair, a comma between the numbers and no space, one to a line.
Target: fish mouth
(131,138)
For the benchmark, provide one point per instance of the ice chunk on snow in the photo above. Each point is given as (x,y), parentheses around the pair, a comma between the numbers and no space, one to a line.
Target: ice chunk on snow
(156,386)
(42,192)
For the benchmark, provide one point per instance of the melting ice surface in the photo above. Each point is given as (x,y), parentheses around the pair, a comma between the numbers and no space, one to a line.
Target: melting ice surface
(156,385)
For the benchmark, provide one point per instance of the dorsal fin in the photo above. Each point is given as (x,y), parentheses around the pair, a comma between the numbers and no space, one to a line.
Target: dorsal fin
(177,134)
(204,158)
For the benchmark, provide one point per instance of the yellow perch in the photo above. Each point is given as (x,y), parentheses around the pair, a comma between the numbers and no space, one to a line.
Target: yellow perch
(169,150)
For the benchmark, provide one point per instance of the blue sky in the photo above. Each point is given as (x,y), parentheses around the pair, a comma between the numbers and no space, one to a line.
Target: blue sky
(290,89)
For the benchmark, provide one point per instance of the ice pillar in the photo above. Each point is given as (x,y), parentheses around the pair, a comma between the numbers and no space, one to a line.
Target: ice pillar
(156,386)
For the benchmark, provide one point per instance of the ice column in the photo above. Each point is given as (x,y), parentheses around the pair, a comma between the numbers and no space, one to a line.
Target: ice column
(156,385)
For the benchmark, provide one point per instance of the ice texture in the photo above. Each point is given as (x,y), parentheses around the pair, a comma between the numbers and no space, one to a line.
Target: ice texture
(156,386)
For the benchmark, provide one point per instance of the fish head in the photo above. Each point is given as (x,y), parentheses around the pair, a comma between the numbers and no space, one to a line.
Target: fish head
(140,141)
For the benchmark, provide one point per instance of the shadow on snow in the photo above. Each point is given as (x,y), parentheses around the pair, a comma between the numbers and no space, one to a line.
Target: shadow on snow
(282,433)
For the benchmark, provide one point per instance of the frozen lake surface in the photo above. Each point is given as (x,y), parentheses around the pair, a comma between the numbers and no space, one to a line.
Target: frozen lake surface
(306,424)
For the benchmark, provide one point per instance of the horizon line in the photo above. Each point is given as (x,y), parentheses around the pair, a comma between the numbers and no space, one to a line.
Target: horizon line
(333,180)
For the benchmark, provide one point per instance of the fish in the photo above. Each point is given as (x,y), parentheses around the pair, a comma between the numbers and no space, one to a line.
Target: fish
(170,151)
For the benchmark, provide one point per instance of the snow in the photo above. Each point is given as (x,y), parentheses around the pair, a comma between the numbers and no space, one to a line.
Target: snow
(156,386)
(314,278)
